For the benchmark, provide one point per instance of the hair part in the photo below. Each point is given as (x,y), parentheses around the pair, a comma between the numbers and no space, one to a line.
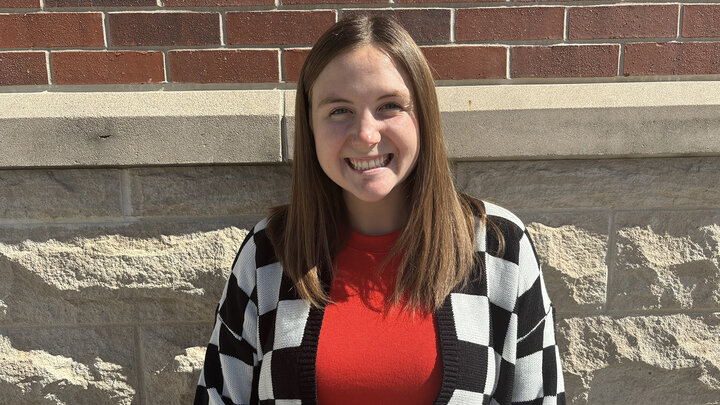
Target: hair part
(438,241)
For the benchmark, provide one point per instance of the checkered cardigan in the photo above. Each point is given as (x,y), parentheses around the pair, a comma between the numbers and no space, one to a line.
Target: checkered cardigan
(497,338)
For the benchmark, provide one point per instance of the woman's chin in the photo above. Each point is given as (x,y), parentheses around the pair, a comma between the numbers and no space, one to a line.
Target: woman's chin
(371,196)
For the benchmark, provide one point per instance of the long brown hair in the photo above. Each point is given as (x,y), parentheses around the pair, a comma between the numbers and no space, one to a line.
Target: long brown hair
(437,243)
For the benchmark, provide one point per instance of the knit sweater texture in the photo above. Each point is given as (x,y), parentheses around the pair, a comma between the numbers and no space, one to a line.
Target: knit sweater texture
(372,352)
(497,337)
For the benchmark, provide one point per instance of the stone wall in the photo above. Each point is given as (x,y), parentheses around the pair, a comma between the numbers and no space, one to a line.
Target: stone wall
(630,250)
(110,270)
(101,307)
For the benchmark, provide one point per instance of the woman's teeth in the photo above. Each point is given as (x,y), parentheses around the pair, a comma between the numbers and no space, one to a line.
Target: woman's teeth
(365,164)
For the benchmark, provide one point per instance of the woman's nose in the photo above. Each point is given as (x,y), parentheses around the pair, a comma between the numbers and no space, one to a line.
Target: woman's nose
(367,130)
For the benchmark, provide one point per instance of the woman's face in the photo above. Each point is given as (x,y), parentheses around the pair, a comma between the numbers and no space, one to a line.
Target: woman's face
(366,131)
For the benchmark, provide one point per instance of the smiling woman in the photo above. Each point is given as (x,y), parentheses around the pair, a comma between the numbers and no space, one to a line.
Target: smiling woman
(366,136)
(379,283)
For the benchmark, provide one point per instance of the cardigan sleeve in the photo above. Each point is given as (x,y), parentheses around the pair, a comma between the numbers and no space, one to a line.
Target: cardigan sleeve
(230,371)
(538,375)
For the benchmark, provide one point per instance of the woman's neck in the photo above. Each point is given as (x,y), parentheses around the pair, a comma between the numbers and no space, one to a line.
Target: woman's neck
(377,218)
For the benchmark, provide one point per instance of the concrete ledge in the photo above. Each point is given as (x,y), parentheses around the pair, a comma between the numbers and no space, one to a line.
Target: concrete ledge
(244,126)
(582,120)
(135,129)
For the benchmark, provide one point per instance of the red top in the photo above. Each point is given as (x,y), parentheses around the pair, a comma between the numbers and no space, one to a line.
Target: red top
(368,355)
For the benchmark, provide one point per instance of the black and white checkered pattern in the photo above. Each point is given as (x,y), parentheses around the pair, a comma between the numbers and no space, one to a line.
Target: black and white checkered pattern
(497,338)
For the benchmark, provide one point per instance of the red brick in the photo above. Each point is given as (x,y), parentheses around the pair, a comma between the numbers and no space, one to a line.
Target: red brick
(164,29)
(100,3)
(18,68)
(224,66)
(42,30)
(691,58)
(218,3)
(291,2)
(103,67)
(466,62)
(19,3)
(564,61)
(277,27)
(653,21)
(509,23)
(426,26)
(701,21)
(294,59)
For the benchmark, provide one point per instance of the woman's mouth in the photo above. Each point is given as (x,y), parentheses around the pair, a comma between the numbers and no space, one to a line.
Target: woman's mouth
(368,164)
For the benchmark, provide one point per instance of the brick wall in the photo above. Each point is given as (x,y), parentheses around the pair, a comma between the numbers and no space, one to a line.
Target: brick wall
(61,42)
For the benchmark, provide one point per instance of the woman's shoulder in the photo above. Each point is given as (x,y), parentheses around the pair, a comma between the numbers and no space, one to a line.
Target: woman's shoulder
(496,228)
(506,245)
(256,239)
(510,256)
(256,252)
(499,213)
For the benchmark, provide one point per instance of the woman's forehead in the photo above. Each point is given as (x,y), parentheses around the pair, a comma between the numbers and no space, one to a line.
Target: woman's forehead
(360,71)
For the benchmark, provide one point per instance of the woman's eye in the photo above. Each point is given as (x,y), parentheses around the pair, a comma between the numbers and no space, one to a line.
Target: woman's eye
(390,106)
(339,111)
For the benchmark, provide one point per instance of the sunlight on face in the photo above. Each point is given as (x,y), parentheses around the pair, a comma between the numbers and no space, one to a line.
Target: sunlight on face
(363,119)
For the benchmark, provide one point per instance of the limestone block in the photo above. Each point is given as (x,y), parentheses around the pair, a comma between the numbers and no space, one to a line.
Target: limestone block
(61,366)
(216,190)
(138,272)
(48,194)
(552,133)
(604,184)
(572,249)
(137,128)
(672,359)
(667,260)
(174,356)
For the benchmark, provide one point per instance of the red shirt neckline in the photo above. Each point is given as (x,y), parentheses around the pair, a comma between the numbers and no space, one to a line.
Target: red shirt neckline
(373,243)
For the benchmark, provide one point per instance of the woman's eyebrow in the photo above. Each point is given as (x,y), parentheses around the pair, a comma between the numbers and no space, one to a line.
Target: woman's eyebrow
(332,99)
(394,94)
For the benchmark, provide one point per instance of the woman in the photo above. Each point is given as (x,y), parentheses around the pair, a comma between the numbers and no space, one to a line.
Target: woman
(379,282)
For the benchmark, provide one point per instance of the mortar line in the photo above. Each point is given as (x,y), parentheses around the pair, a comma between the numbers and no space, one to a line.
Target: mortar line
(281,71)
(173,87)
(106,29)
(141,367)
(628,313)
(128,220)
(566,21)
(125,193)
(508,61)
(109,220)
(610,260)
(48,66)
(166,65)
(453,12)
(681,12)
(223,28)
(111,325)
